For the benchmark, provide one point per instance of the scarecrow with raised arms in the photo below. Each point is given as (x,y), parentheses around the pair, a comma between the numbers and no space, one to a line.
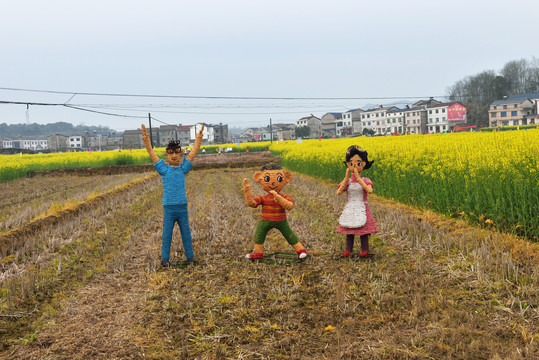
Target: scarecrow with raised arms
(174,197)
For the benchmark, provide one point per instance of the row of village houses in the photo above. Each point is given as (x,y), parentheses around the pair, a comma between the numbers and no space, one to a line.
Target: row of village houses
(129,139)
(423,117)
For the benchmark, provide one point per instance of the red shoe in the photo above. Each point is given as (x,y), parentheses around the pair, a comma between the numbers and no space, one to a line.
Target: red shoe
(347,253)
(302,254)
(254,256)
(364,253)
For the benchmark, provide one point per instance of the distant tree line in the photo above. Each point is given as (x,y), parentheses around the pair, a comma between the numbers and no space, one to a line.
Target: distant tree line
(477,92)
(64,128)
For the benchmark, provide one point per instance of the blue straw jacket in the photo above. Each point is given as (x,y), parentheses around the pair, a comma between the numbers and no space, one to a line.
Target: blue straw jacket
(173,181)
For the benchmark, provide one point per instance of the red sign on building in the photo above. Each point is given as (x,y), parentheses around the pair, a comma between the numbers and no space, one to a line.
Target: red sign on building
(456,112)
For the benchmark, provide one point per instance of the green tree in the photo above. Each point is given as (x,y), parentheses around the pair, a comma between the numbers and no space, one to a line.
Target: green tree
(500,87)
(368,132)
(303,132)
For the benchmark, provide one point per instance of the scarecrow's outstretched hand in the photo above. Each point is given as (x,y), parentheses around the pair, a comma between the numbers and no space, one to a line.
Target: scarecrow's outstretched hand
(248,194)
(196,146)
(148,145)
(145,136)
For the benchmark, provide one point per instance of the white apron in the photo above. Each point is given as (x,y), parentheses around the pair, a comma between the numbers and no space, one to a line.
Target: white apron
(354,214)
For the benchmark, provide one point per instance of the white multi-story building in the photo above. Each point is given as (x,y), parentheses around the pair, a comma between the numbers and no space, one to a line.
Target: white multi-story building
(444,116)
(75,142)
(343,126)
(366,122)
(207,134)
(26,143)
(37,144)
(395,121)
(7,144)
(376,120)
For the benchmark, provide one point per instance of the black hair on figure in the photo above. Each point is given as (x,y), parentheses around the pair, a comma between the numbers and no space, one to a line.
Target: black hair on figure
(174,144)
(356,150)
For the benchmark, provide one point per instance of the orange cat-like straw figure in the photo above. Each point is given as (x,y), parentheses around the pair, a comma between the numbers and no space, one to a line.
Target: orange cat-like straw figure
(272,178)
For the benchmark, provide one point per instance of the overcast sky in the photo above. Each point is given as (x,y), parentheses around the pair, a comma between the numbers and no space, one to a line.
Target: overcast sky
(373,52)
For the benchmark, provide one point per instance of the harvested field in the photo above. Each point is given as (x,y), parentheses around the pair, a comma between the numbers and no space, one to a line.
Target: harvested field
(24,199)
(92,287)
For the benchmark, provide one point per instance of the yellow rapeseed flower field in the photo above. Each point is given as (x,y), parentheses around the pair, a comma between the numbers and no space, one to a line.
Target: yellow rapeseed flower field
(16,166)
(489,177)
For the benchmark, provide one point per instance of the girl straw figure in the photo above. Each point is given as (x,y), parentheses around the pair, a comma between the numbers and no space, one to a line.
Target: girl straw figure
(356,218)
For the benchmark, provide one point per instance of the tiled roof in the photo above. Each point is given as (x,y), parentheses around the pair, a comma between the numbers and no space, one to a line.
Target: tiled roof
(381,108)
(528,95)
(444,104)
(509,101)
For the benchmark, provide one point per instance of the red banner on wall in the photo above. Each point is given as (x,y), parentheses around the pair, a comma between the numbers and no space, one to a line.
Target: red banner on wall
(456,112)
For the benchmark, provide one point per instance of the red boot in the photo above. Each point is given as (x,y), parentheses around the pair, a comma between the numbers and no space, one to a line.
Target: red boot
(364,253)
(347,253)
(254,256)
(302,254)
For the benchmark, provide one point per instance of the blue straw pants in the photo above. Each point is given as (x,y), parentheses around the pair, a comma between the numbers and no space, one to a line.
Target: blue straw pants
(176,214)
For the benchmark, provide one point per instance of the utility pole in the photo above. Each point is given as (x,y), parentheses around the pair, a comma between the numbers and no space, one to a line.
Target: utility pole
(150,120)
(221,135)
(271,132)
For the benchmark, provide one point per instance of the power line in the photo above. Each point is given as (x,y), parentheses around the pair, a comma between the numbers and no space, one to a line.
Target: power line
(101,112)
(208,106)
(29,103)
(215,97)
(78,108)
(162,122)
(208,113)
(83,108)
